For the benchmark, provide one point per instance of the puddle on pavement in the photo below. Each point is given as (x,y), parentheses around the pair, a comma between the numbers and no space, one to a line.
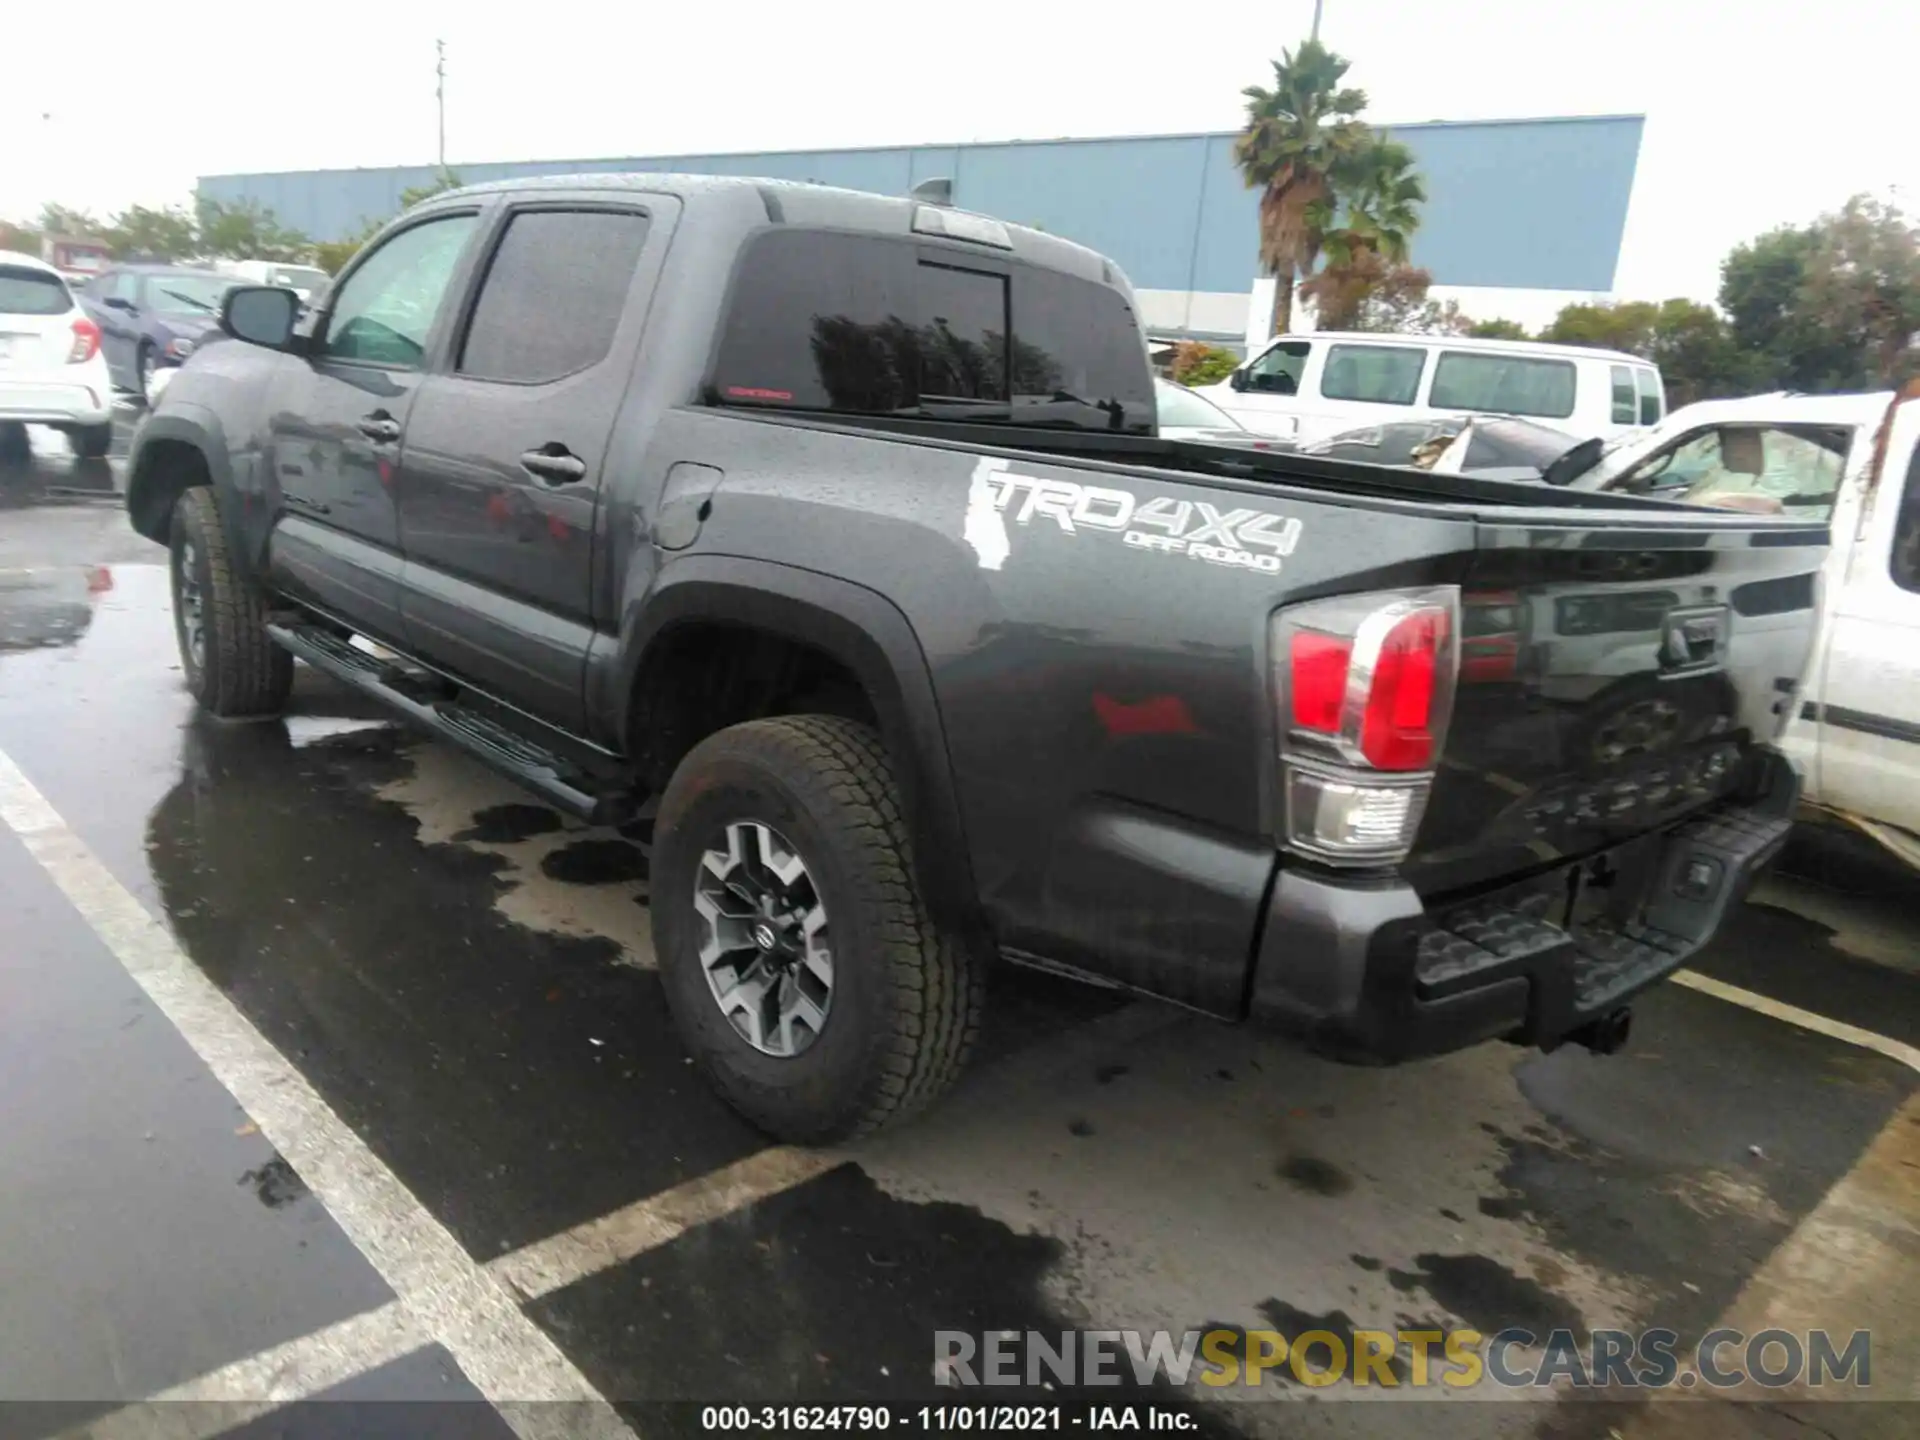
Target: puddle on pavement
(1303,1191)
(49,607)
(519,1080)
(832,1288)
(554,874)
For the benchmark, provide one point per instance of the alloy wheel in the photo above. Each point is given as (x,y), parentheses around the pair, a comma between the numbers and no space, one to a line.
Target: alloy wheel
(765,951)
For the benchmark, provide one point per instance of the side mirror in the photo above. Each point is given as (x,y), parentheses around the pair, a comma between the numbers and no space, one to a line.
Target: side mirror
(1238,379)
(260,315)
(117,302)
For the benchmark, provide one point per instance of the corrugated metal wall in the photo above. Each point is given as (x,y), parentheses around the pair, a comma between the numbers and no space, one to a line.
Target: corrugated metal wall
(1532,204)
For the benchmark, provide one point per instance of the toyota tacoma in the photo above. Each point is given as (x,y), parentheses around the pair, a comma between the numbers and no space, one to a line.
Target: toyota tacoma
(841,524)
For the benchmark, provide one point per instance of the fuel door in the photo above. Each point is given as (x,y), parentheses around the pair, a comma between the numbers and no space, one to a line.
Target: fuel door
(685,502)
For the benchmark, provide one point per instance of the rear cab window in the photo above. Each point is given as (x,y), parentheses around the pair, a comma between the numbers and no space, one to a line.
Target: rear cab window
(1376,374)
(874,325)
(32,292)
(1504,384)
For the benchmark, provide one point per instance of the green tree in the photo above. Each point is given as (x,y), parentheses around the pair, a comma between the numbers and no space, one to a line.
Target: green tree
(1860,296)
(446,181)
(1381,195)
(1759,289)
(332,255)
(245,230)
(24,239)
(1627,326)
(1698,356)
(168,233)
(1692,344)
(1497,330)
(1833,305)
(59,220)
(1366,283)
(1296,136)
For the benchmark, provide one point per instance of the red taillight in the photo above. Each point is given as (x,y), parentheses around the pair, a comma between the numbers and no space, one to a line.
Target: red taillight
(1365,687)
(1319,680)
(86,341)
(1396,727)
(1387,722)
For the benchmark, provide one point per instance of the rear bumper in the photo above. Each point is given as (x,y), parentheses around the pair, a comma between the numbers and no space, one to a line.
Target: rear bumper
(82,399)
(1367,973)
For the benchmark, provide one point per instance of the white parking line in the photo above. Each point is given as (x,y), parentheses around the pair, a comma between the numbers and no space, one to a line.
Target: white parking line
(446,1295)
(303,1368)
(558,1261)
(262,1383)
(1886,1045)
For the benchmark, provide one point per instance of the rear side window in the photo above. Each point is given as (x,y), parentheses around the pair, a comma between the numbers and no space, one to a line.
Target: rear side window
(32,292)
(1503,384)
(1378,374)
(1653,399)
(871,325)
(554,294)
(1626,404)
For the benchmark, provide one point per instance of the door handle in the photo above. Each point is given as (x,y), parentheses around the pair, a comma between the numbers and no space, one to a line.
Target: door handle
(554,465)
(380,427)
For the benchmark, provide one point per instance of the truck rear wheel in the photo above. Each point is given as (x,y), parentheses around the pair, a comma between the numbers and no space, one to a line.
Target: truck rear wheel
(801,966)
(220,618)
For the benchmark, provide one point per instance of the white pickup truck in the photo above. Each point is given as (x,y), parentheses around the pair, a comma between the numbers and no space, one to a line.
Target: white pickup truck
(1855,730)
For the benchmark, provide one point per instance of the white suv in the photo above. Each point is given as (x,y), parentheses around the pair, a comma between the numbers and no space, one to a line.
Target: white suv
(51,368)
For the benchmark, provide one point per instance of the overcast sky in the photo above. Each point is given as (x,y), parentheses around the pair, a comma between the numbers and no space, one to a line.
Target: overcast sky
(1758,111)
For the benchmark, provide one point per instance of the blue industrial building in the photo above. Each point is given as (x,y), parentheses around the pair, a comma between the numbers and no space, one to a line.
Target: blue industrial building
(1513,204)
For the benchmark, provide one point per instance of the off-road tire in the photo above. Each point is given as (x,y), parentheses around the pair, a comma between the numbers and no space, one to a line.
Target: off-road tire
(242,672)
(907,998)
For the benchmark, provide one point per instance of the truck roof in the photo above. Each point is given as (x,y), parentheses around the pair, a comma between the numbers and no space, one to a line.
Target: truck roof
(818,206)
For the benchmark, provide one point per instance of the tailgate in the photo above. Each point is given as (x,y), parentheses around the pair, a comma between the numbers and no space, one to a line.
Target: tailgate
(1614,677)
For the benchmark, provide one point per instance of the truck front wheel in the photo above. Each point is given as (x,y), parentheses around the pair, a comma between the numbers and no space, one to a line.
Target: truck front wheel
(800,964)
(220,619)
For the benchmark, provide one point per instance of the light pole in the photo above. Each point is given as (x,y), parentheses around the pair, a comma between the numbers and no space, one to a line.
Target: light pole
(1316,20)
(440,99)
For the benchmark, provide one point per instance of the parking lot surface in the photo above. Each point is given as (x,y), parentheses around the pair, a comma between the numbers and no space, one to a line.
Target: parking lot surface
(335,1072)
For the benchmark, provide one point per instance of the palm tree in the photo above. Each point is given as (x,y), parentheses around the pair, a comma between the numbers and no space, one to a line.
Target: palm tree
(1382,195)
(1297,134)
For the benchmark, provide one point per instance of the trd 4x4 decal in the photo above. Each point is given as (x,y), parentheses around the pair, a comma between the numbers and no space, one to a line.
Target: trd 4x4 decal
(1236,537)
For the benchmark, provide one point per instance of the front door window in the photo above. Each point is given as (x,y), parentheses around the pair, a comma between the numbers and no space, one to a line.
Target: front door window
(385,311)
(1278,371)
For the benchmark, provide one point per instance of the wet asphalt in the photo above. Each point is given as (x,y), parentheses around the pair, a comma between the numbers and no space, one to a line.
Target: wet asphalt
(467,980)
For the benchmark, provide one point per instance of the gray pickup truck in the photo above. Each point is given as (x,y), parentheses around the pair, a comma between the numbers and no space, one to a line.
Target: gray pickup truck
(840,523)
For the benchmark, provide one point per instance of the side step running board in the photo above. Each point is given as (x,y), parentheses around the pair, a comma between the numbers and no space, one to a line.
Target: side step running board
(598,800)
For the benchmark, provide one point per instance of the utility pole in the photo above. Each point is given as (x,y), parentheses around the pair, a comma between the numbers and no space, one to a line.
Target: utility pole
(1316,20)
(440,95)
